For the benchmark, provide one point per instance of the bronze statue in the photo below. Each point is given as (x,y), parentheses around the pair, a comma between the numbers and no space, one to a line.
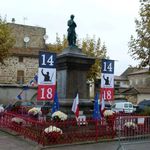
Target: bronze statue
(71,31)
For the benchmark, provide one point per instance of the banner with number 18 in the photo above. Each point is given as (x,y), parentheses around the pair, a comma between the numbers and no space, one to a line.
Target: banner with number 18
(46,76)
(107,79)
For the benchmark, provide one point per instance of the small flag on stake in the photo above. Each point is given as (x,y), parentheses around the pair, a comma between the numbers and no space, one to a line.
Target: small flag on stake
(75,105)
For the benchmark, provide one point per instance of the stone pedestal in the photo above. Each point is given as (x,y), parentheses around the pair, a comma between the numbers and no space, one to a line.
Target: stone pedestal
(72,68)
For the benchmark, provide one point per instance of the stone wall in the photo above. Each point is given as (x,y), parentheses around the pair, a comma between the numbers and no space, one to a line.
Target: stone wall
(28,52)
(8,73)
(34,33)
(8,93)
(140,80)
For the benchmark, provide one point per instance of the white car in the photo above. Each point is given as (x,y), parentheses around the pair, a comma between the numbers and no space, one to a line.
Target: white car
(126,107)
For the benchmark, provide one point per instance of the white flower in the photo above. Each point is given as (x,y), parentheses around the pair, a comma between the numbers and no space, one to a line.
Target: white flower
(108,113)
(18,120)
(34,111)
(130,125)
(51,129)
(62,116)
(1,109)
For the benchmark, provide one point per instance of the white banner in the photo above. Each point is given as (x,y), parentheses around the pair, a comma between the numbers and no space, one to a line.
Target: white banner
(107,80)
(46,76)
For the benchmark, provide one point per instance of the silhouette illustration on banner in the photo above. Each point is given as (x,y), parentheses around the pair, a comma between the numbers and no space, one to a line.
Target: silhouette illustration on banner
(107,81)
(46,76)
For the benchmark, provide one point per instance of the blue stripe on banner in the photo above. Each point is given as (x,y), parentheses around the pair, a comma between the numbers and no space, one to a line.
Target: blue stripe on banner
(107,66)
(47,60)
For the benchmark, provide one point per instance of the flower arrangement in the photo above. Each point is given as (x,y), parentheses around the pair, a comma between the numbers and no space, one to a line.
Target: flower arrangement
(1,109)
(51,129)
(58,115)
(18,120)
(130,125)
(109,116)
(52,133)
(108,113)
(34,111)
(130,128)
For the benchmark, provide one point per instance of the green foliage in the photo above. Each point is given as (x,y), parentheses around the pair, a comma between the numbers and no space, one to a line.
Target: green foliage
(94,48)
(59,45)
(6,41)
(139,47)
(90,46)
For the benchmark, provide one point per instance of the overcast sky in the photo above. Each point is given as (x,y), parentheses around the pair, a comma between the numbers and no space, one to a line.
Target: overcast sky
(111,20)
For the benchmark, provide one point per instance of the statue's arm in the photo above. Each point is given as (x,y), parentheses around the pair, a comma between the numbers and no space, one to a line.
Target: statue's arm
(104,77)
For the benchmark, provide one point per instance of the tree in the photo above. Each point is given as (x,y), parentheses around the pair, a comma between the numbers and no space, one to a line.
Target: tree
(90,47)
(94,48)
(6,40)
(139,47)
(59,45)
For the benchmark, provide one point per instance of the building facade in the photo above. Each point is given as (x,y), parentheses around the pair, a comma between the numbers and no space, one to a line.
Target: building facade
(134,84)
(22,65)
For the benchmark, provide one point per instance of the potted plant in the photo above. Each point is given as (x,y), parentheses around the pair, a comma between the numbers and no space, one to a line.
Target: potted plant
(130,128)
(52,133)
(18,121)
(109,116)
(59,116)
(34,112)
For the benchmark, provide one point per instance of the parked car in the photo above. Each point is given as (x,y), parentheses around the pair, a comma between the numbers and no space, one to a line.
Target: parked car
(142,105)
(126,107)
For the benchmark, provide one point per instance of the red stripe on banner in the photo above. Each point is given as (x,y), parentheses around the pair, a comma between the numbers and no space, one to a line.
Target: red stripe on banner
(46,92)
(107,93)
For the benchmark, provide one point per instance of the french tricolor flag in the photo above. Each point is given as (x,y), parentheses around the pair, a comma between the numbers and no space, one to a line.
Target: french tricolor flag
(102,106)
(32,82)
(75,106)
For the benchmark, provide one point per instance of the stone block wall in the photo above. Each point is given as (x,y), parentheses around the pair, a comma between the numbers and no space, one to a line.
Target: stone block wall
(34,33)
(8,93)
(8,72)
(140,80)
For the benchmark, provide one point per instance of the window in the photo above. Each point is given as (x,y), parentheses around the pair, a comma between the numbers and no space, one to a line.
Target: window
(20,59)
(118,83)
(113,106)
(130,105)
(126,105)
(20,76)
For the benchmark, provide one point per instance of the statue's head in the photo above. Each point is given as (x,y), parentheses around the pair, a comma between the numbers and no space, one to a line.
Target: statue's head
(72,16)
